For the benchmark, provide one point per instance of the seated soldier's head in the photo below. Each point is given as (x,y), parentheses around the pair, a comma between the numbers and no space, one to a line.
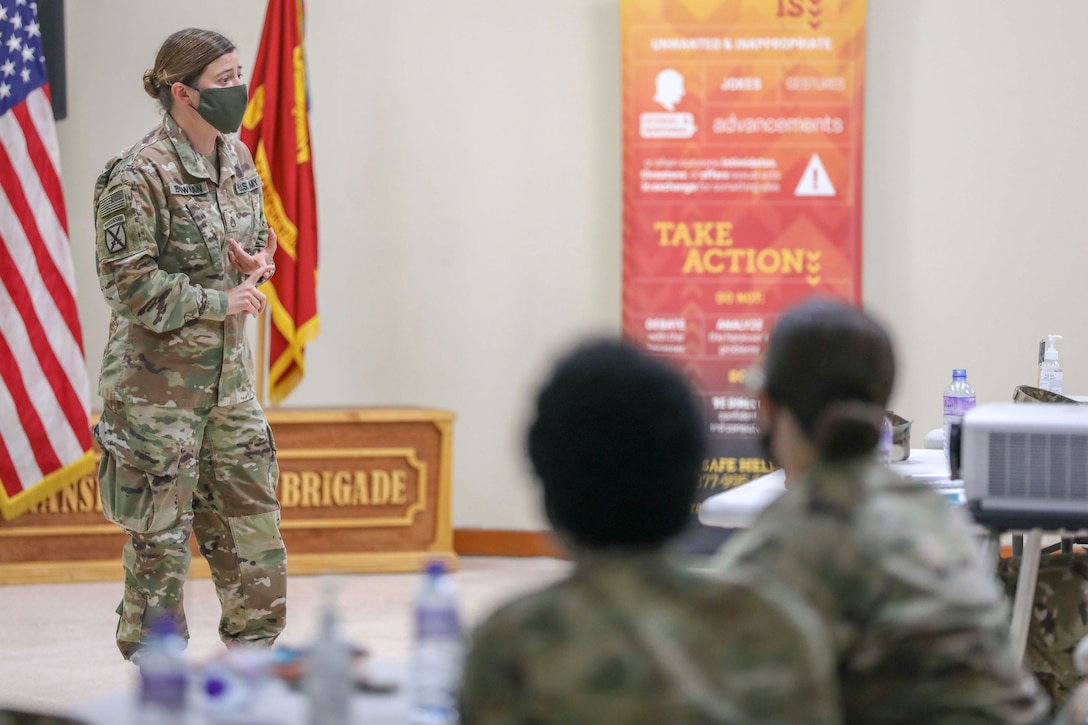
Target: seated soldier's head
(826,378)
(617,442)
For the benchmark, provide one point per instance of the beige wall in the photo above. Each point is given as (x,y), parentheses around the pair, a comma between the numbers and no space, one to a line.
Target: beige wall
(976,179)
(468,161)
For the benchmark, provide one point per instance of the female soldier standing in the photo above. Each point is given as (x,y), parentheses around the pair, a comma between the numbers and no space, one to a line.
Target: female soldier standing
(182,245)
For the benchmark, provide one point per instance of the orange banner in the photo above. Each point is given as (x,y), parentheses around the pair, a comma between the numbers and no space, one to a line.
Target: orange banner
(742,130)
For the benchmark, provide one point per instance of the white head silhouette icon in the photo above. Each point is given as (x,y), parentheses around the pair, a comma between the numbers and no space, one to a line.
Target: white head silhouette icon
(669,89)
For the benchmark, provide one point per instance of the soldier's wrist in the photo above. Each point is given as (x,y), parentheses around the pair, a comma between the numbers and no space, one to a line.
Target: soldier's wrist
(217,305)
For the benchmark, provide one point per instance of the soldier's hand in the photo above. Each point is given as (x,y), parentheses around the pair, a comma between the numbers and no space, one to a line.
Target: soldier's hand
(271,246)
(246,298)
(246,263)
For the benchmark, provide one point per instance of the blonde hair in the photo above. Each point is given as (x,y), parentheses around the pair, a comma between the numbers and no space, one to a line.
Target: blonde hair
(182,58)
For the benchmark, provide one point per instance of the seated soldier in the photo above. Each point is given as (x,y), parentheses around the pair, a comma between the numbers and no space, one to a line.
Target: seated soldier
(918,621)
(630,638)
(1060,617)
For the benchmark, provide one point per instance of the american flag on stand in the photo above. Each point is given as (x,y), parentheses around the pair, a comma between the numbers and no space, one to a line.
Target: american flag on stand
(45,441)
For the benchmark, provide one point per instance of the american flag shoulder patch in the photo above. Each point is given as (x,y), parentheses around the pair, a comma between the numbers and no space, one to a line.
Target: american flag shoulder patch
(112,204)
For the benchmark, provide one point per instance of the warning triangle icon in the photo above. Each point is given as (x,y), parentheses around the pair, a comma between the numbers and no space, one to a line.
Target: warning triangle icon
(815,181)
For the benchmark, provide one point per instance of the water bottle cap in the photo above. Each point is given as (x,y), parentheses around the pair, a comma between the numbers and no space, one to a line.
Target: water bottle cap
(163,626)
(214,686)
(435,567)
(959,373)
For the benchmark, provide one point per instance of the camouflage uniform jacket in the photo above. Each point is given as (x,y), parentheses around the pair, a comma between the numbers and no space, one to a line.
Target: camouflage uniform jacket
(919,622)
(162,225)
(630,639)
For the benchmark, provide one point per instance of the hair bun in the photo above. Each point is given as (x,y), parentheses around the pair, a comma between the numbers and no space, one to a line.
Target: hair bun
(151,83)
(846,429)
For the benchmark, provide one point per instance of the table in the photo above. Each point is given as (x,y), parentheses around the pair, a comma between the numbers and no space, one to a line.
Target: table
(276,704)
(738,507)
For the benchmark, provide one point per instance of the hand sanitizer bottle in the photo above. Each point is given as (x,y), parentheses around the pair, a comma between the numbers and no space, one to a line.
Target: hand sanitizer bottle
(1050,370)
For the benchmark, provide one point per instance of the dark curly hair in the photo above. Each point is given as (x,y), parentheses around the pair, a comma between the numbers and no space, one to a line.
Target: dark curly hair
(833,367)
(618,442)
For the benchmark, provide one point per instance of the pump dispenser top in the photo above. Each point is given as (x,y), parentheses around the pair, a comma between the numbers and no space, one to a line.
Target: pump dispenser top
(1050,370)
(1051,351)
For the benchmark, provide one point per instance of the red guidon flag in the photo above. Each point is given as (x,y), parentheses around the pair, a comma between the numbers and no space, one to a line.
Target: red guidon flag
(45,436)
(276,130)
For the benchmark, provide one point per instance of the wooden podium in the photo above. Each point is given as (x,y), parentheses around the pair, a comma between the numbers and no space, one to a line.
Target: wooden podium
(360,491)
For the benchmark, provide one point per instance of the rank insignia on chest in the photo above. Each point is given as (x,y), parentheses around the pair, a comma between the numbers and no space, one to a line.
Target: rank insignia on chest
(116,237)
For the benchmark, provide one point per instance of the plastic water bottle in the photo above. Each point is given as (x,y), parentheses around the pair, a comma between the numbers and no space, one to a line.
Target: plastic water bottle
(164,676)
(959,397)
(224,692)
(328,679)
(438,651)
(232,684)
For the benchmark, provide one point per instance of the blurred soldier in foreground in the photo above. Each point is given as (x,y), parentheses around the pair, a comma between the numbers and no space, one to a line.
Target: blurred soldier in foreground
(1060,608)
(918,622)
(1059,618)
(628,638)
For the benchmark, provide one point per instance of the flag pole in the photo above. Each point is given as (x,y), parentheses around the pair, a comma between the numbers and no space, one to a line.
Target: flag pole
(262,320)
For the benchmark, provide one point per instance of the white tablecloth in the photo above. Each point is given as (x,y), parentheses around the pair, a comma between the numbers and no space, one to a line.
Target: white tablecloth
(276,704)
(738,507)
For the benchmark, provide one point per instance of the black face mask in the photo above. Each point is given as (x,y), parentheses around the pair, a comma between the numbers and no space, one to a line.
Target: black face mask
(766,442)
(223,107)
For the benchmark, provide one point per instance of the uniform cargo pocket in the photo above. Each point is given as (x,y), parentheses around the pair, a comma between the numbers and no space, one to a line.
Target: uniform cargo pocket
(257,539)
(137,476)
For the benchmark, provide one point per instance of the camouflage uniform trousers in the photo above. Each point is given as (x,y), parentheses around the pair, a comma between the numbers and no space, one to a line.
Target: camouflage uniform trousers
(168,472)
(1059,619)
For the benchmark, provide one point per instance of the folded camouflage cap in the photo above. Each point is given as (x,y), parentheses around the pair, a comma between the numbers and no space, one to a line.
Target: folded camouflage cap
(1030,394)
(900,435)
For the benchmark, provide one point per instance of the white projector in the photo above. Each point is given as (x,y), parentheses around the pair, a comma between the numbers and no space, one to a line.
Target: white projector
(1025,465)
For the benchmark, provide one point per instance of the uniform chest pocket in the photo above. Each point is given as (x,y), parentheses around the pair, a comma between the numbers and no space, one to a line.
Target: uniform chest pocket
(241,210)
(205,219)
(191,245)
